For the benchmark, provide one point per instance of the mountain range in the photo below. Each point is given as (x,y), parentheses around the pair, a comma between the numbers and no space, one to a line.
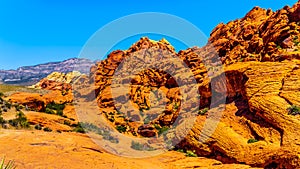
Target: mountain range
(28,75)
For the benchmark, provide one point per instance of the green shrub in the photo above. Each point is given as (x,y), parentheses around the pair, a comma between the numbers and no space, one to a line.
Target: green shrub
(38,127)
(203,111)
(79,128)
(66,122)
(55,106)
(18,107)
(20,121)
(180,150)
(2,121)
(49,111)
(141,147)
(190,153)
(296,40)
(161,130)
(121,128)
(147,120)
(47,129)
(176,106)
(252,140)
(1,94)
(9,165)
(8,105)
(60,113)
(294,110)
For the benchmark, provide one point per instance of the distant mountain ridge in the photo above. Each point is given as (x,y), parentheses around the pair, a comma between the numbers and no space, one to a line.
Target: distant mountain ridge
(28,75)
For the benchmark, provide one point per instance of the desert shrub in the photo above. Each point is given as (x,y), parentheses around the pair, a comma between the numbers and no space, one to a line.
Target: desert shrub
(20,121)
(66,122)
(121,128)
(47,129)
(18,107)
(79,128)
(1,94)
(252,140)
(2,121)
(141,147)
(9,165)
(55,106)
(60,113)
(162,130)
(180,150)
(107,136)
(296,40)
(147,120)
(38,127)
(83,127)
(8,105)
(176,106)
(203,111)
(111,119)
(294,110)
(190,153)
(49,111)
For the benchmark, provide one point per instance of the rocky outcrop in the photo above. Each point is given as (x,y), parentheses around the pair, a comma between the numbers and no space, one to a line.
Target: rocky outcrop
(38,102)
(262,35)
(58,81)
(260,112)
(260,55)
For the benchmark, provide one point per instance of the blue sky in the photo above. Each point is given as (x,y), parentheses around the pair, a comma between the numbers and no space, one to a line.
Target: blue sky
(39,31)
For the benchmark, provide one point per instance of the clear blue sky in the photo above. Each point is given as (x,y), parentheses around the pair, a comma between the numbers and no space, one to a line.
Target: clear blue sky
(38,31)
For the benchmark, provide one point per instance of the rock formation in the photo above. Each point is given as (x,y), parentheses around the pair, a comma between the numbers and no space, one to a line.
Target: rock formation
(260,54)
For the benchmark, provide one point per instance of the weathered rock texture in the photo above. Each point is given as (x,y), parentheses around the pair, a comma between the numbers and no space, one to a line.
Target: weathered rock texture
(260,81)
(260,55)
(58,81)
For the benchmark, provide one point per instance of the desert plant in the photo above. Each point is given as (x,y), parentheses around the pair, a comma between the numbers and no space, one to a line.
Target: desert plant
(296,40)
(20,121)
(190,153)
(47,129)
(55,106)
(162,130)
(203,111)
(60,113)
(176,106)
(252,140)
(2,121)
(121,128)
(38,127)
(49,111)
(294,110)
(9,165)
(141,147)
(79,129)
(68,123)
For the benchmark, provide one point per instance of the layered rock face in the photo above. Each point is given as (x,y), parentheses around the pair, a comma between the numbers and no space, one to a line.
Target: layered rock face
(262,35)
(58,81)
(140,70)
(260,54)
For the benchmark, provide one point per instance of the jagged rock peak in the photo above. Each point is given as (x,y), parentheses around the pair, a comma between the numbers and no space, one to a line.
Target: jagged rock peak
(145,43)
